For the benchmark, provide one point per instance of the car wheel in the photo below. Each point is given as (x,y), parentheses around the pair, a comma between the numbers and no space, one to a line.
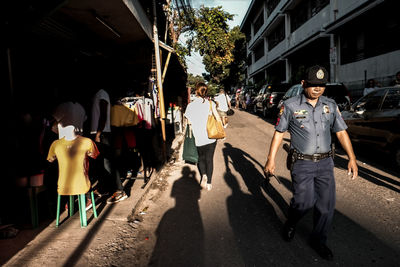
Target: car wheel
(265,112)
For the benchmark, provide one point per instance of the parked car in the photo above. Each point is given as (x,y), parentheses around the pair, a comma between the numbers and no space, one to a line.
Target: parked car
(246,96)
(267,99)
(336,91)
(374,120)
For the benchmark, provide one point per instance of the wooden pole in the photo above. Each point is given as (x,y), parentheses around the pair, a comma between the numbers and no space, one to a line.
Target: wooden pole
(159,82)
(166,67)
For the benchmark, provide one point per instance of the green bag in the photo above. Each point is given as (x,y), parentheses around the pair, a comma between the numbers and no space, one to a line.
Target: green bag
(190,154)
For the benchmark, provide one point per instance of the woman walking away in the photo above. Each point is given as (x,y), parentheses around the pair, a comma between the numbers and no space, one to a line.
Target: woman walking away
(197,113)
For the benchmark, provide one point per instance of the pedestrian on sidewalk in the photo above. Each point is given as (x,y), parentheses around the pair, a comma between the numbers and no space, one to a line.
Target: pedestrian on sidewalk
(310,118)
(100,131)
(224,104)
(197,114)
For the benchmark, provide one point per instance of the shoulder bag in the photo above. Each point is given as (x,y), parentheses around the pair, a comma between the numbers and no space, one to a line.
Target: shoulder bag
(215,129)
(230,111)
(190,154)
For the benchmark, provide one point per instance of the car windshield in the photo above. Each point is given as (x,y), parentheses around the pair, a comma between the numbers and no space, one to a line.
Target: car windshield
(369,102)
(392,99)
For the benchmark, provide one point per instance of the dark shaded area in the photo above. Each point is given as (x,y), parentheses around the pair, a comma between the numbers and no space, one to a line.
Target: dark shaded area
(57,51)
(369,175)
(180,233)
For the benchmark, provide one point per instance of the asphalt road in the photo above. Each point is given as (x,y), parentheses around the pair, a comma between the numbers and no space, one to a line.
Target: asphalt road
(238,222)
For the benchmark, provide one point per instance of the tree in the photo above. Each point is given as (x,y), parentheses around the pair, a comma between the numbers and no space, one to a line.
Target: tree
(193,80)
(180,19)
(211,39)
(236,68)
(208,33)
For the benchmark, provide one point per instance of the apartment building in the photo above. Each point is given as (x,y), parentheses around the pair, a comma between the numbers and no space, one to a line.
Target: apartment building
(355,40)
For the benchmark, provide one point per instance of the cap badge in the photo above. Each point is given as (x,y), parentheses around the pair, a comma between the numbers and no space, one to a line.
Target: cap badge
(320,74)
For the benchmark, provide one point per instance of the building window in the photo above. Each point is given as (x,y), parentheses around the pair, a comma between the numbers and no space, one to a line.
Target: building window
(365,38)
(276,36)
(259,22)
(259,51)
(248,35)
(249,61)
(304,11)
(271,5)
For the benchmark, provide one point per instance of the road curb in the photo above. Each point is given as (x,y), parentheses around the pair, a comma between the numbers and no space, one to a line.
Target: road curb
(176,148)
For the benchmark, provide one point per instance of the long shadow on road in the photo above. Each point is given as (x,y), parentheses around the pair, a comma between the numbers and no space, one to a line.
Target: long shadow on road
(180,233)
(256,226)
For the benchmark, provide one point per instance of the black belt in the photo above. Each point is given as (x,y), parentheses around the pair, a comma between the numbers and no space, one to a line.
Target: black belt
(314,157)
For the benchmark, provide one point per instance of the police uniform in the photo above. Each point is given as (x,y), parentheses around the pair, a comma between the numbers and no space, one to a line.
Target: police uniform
(312,173)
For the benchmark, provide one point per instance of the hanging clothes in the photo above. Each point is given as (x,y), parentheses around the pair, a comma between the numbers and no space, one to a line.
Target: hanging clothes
(124,115)
(145,109)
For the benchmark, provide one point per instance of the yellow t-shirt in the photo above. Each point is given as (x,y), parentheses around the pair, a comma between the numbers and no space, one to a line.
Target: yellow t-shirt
(73,164)
(123,116)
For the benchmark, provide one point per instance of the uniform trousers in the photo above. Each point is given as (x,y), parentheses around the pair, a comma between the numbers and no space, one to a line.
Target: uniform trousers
(313,187)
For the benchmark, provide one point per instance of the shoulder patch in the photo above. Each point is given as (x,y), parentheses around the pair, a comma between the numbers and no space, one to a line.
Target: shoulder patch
(281,110)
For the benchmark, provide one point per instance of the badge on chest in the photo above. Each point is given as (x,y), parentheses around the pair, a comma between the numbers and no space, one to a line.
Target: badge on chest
(326,109)
(301,114)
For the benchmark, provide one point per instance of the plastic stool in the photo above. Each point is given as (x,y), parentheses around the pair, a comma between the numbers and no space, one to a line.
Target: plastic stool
(82,208)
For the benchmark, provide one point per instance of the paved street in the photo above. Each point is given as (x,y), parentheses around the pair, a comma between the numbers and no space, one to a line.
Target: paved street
(238,222)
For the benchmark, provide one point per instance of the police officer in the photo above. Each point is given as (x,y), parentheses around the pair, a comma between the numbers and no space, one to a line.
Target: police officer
(310,118)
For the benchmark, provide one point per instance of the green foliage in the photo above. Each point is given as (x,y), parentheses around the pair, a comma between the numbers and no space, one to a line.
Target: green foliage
(211,39)
(213,89)
(193,80)
(223,50)
(236,69)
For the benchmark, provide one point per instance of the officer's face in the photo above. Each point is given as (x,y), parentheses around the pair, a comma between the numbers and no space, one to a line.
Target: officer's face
(314,92)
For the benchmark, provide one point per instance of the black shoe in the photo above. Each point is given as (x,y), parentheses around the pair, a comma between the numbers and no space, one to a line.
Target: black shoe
(288,232)
(322,250)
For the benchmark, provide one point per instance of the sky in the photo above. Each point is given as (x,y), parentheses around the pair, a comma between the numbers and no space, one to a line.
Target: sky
(236,7)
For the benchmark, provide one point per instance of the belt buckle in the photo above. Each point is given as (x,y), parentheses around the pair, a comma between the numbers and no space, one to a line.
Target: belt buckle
(315,158)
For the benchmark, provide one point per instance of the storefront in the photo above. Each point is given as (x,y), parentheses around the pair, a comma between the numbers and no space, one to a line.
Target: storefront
(57,51)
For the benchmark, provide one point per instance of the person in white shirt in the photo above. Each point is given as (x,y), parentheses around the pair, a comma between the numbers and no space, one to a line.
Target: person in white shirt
(370,87)
(224,104)
(197,113)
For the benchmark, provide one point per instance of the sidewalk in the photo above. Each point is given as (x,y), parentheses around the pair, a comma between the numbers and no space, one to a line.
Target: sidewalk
(71,245)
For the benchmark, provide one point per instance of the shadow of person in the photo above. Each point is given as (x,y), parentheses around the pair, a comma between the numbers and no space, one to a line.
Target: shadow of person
(180,233)
(254,180)
(253,227)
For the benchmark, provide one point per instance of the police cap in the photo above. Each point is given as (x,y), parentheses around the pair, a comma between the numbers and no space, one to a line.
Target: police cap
(316,76)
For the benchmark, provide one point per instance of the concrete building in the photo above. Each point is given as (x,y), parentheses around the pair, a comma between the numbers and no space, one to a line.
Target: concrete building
(354,39)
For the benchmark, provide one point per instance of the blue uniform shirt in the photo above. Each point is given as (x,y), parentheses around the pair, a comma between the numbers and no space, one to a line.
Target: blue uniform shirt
(310,127)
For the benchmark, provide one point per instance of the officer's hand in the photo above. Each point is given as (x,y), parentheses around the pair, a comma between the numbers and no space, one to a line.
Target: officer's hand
(352,168)
(269,168)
